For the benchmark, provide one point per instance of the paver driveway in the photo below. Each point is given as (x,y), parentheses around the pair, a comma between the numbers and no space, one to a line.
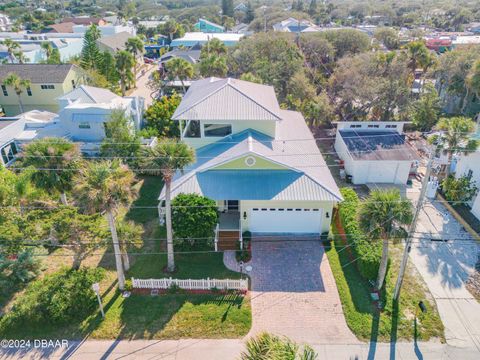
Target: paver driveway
(294,292)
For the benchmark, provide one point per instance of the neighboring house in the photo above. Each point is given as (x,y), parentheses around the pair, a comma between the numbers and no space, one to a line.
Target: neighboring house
(206,26)
(62,28)
(190,55)
(241,29)
(474,28)
(375,151)
(294,25)
(260,163)
(469,165)
(5,23)
(69,45)
(48,83)
(82,117)
(85,20)
(439,45)
(114,43)
(241,7)
(198,38)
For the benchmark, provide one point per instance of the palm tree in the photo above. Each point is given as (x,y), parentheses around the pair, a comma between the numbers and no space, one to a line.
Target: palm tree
(455,137)
(124,62)
(20,56)
(135,46)
(472,84)
(179,68)
(419,56)
(267,346)
(164,159)
(47,48)
(383,215)
(60,156)
(18,85)
(11,46)
(104,186)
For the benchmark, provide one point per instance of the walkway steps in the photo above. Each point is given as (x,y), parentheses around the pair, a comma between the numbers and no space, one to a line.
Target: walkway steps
(228,240)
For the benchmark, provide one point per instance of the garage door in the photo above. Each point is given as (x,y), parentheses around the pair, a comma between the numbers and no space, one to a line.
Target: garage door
(384,173)
(285,220)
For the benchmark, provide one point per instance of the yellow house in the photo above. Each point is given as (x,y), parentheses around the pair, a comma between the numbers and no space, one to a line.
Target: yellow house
(48,82)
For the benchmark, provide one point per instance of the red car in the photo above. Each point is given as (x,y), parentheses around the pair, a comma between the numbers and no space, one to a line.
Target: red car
(148,60)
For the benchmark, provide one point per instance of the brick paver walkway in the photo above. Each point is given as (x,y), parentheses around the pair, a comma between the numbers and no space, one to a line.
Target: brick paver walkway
(294,293)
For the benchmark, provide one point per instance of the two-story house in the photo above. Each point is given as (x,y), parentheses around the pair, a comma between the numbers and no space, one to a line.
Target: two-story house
(260,163)
(48,82)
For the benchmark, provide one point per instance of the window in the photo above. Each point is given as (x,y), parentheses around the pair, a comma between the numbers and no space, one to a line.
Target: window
(29,91)
(374,126)
(47,87)
(353,126)
(193,129)
(391,126)
(217,130)
(272,209)
(470,174)
(84,125)
(73,84)
(289,209)
(8,152)
(4,89)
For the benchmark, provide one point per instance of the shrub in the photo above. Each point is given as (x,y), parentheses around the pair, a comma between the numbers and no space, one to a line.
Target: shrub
(58,298)
(194,218)
(17,271)
(459,190)
(368,253)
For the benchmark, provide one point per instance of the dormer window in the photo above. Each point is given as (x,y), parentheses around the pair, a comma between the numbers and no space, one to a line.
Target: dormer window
(217,130)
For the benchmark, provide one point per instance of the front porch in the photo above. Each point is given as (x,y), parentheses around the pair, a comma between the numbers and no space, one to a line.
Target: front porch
(228,233)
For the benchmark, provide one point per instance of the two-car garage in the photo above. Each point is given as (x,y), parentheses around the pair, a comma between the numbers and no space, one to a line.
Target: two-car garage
(285,220)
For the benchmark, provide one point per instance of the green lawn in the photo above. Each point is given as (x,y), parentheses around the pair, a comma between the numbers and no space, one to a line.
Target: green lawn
(168,316)
(392,324)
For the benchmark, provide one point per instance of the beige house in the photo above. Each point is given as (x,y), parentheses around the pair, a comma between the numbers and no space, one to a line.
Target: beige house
(48,82)
(259,163)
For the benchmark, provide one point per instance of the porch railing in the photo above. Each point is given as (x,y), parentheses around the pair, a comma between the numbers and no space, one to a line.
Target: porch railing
(240,233)
(217,230)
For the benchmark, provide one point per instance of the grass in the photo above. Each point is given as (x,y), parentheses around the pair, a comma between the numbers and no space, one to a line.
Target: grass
(393,323)
(169,316)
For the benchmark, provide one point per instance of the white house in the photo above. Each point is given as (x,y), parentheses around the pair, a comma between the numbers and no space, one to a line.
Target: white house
(375,151)
(260,163)
(469,165)
(82,117)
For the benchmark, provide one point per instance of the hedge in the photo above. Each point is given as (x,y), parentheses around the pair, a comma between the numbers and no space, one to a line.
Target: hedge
(368,253)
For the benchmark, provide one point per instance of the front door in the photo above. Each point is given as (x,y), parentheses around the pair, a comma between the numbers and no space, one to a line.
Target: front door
(232,205)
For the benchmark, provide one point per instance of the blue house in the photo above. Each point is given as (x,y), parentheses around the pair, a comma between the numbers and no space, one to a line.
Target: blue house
(208,26)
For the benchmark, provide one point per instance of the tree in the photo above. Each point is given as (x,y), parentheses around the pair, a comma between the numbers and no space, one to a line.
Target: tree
(60,156)
(426,109)
(11,46)
(213,65)
(267,346)
(124,62)
(194,218)
(18,85)
(158,116)
(47,48)
(455,137)
(419,56)
(135,46)
(120,138)
(213,47)
(472,83)
(347,41)
(181,69)
(249,13)
(20,270)
(227,8)
(383,215)
(459,190)
(107,67)
(165,159)
(251,78)
(104,186)
(312,8)
(20,56)
(388,37)
(90,56)
(172,29)
(54,57)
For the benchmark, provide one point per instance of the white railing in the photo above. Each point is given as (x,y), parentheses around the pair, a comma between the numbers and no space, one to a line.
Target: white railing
(240,235)
(191,284)
(161,215)
(217,230)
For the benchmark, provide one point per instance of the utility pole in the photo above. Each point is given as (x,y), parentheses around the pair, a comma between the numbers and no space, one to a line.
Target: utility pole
(408,243)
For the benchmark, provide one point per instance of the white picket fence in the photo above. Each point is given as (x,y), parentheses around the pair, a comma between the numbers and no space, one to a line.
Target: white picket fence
(191,284)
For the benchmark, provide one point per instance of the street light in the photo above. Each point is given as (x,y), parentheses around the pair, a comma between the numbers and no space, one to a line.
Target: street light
(96,289)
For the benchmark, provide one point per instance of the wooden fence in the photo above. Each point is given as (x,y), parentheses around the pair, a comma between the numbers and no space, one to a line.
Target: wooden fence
(191,284)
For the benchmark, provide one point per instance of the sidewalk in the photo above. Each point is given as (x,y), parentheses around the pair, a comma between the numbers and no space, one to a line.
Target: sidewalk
(231,349)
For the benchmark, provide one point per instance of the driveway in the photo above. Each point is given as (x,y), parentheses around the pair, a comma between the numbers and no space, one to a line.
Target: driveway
(294,292)
(142,89)
(445,266)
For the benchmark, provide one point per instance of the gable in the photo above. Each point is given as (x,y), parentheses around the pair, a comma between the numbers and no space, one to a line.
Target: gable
(258,163)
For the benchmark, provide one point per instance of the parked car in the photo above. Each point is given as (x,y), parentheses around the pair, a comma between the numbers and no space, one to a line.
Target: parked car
(147,60)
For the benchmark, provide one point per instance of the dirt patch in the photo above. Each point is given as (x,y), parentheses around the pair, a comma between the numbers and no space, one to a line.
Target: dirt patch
(473,282)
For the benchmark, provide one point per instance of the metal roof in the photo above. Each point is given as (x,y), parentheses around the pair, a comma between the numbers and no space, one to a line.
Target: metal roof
(228,99)
(90,94)
(371,145)
(297,153)
(254,185)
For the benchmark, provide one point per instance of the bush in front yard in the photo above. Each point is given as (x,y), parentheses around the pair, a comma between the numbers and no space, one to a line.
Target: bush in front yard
(194,218)
(368,253)
(58,298)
